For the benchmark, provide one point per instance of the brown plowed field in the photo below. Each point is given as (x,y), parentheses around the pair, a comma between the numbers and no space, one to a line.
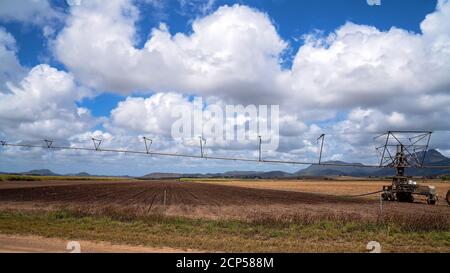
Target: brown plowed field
(177,193)
(194,199)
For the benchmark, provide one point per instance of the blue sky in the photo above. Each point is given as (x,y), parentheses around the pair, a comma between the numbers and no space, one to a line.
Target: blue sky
(292,18)
(327,63)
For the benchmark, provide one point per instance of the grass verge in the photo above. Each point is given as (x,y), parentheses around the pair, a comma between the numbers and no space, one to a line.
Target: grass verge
(301,234)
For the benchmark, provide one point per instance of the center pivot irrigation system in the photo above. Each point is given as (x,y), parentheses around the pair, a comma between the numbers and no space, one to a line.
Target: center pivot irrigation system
(403,150)
(399,150)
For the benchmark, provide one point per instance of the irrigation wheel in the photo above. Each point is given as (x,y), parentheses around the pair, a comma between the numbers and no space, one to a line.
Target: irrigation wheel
(448,197)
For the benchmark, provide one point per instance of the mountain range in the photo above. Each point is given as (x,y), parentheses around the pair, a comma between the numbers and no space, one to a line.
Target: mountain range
(432,158)
(47,172)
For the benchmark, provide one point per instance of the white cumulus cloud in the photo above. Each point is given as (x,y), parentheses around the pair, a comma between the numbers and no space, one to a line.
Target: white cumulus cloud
(43,105)
(232,49)
(38,12)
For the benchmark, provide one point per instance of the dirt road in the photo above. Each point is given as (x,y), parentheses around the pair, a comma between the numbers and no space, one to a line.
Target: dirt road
(36,244)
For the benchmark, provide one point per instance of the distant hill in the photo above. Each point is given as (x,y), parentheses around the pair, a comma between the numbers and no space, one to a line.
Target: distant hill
(84,174)
(231,174)
(432,158)
(238,173)
(162,175)
(275,174)
(325,170)
(42,172)
(47,172)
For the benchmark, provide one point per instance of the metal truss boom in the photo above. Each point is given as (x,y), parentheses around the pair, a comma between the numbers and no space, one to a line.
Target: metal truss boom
(386,159)
(97,149)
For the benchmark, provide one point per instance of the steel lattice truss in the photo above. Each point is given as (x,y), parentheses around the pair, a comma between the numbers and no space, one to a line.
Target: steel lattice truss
(413,143)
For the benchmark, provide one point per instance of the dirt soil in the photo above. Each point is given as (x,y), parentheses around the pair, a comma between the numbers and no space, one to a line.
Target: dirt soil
(37,244)
(351,186)
(240,199)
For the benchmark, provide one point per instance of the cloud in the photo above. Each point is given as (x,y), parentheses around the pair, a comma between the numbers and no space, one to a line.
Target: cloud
(194,7)
(360,66)
(43,105)
(375,80)
(37,12)
(398,78)
(437,26)
(232,49)
(150,115)
(10,68)
(380,79)
(234,53)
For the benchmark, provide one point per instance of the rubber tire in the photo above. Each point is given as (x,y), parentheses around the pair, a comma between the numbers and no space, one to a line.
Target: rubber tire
(448,197)
(405,197)
(392,197)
